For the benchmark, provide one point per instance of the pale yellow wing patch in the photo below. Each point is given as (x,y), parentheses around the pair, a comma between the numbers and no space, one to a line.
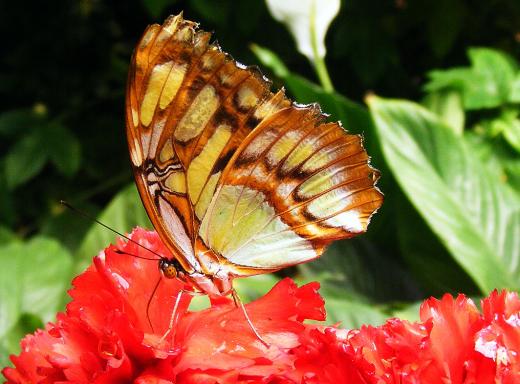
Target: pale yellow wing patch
(172,84)
(198,115)
(258,239)
(201,166)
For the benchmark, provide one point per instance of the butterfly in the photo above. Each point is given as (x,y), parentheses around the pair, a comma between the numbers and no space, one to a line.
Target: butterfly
(236,179)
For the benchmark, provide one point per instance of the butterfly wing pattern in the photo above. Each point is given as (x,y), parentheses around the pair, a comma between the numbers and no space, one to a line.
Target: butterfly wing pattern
(237,179)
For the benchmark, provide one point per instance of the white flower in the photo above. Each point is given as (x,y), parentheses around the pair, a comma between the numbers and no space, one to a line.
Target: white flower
(308,21)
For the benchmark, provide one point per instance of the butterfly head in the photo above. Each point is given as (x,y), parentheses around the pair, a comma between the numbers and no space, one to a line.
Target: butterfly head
(171,268)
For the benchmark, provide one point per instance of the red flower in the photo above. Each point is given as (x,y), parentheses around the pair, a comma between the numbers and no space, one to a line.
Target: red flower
(105,336)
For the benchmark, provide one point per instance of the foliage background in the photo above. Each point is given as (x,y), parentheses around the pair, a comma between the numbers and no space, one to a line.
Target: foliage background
(450,222)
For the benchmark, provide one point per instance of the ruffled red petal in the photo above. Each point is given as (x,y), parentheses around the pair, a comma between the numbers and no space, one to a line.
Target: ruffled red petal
(113,331)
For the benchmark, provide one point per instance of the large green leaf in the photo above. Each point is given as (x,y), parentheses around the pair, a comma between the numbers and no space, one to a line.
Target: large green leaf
(33,280)
(448,105)
(360,270)
(7,236)
(501,161)
(432,265)
(354,276)
(24,160)
(123,213)
(475,216)
(352,314)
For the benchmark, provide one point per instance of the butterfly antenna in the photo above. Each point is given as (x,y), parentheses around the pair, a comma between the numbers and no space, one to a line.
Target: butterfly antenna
(92,218)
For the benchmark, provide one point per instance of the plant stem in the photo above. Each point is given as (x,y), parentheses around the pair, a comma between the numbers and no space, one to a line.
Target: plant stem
(319,62)
(323,74)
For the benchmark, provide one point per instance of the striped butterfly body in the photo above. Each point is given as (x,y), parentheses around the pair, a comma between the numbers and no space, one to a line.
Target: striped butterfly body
(236,180)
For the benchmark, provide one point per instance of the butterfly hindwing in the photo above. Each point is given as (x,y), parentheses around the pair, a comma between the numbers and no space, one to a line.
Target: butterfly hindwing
(293,186)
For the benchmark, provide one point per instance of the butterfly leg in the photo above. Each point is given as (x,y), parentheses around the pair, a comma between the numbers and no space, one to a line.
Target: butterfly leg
(150,302)
(173,317)
(240,304)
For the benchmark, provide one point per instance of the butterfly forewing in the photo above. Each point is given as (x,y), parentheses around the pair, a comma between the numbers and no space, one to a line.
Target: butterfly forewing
(221,161)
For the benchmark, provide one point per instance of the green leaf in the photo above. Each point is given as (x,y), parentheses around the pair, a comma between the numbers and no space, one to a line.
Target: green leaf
(444,25)
(7,205)
(354,117)
(474,216)
(216,12)
(253,287)
(447,105)
(515,89)
(10,287)
(10,345)
(19,121)
(33,280)
(270,60)
(511,133)
(66,226)
(512,169)
(25,160)
(408,312)
(352,314)
(123,213)
(506,124)
(63,148)
(498,68)
(486,84)
(358,267)
(501,162)
(7,236)
(432,265)
(156,7)
(452,78)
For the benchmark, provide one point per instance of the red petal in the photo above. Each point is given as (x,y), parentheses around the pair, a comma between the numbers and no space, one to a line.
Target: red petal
(454,324)
(220,336)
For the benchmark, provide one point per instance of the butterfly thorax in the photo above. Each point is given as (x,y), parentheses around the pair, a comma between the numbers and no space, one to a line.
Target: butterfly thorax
(215,276)
(214,280)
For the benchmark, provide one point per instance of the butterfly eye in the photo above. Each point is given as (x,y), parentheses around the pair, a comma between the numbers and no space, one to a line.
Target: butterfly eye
(168,268)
